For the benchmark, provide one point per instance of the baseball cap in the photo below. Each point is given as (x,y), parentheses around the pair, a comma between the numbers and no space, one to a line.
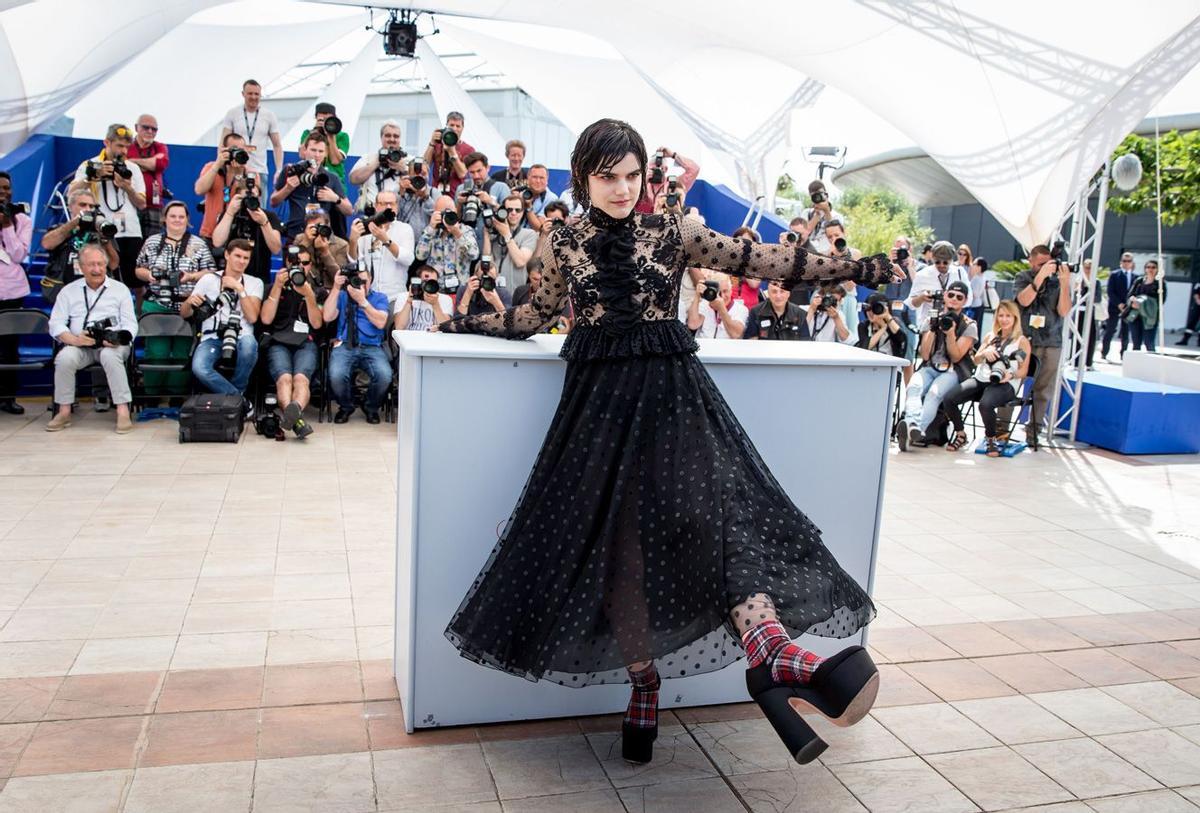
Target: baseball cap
(325,107)
(960,286)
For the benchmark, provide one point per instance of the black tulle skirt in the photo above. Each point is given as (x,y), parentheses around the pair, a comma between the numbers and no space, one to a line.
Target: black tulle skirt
(648,515)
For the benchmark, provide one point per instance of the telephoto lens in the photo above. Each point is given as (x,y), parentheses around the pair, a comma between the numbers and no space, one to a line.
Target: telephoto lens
(251,203)
(840,245)
(238,156)
(296,276)
(449,138)
(879,308)
(324,230)
(430,286)
(387,156)
(119,168)
(450,218)
(383,217)
(792,237)
(332,125)
(712,290)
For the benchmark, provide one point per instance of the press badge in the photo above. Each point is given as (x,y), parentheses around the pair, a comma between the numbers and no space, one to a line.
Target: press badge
(118,220)
(1037,320)
(500,282)
(300,326)
(764,323)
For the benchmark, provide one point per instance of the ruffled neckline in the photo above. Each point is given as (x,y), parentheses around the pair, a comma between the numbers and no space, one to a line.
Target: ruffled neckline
(608,222)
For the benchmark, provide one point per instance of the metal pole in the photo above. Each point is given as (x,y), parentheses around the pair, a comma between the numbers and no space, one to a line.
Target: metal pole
(1078,224)
(1089,300)
(1162,271)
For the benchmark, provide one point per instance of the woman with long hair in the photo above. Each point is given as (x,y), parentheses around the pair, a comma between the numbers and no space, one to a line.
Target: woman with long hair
(651,540)
(1141,308)
(1001,363)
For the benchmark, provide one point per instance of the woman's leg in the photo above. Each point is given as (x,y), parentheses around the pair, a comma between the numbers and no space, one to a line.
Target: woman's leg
(993,396)
(766,641)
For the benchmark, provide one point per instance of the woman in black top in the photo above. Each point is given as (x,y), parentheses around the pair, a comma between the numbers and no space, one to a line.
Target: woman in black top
(1142,307)
(651,537)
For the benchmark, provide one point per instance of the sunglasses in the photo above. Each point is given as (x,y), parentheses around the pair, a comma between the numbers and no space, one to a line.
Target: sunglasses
(962,253)
(518,210)
(941,262)
(954,295)
(306,263)
(149,127)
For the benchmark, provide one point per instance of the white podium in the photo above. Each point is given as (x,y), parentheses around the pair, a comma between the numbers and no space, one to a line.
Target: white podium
(473,413)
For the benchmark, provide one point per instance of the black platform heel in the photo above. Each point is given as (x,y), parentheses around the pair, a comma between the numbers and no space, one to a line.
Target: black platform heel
(637,743)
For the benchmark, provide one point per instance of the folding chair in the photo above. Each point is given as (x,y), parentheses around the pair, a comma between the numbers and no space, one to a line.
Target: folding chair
(168,326)
(25,322)
(1018,405)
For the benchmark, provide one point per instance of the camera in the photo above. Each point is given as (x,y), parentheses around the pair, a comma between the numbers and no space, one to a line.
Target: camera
(792,237)
(267,423)
(387,156)
(1058,250)
(992,372)
(295,271)
(447,137)
(820,196)
(470,209)
(208,308)
(120,168)
(449,218)
(230,330)
(13,209)
(416,176)
(104,330)
(251,201)
(524,191)
(380,218)
(353,278)
(323,230)
(711,290)
(92,169)
(946,320)
(839,245)
(672,194)
(93,222)
(307,174)
(238,156)
(166,293)
(488,215)
(901,255)
(486,281)
(419,287)
(656,168)
(878,308)
(332,125)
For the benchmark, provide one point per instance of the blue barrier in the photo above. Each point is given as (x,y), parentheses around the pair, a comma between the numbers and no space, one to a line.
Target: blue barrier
(1136,417)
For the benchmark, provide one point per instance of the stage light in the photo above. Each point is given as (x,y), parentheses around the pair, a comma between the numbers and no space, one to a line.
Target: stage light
(400,38)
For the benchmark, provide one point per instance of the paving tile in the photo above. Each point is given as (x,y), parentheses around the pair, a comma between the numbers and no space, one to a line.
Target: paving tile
(797,790)
(742,746)
(93,792)
(531,729)
(311,646)
(312,683)
(314,784)
(906,785)
(910,644)
(378,681)
(996,778)
(105,695)
(1039,635)
(1092,711)
(934,728)
(1030,673)
(1099,667)
(1099,630)
(866,741)
(1015,719)
(592,801)
(215,787)
(958,680)
(1160,701)
(26,699)
(1157,801)
(222,650)
(318,729)
(899,688)
(974,640)
(13,739)
(108,655)
(697,796)
(1085,767)
(1160,660)
(70,746)
(211,689)
(1165,755)
(201,736)
(543,767)
(412,778)
(677,758)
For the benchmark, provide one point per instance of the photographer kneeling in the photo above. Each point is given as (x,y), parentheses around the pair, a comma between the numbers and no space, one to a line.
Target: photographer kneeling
(825,320)
(291,314)
(226,308)
(946,341)
(484,292)
(172,262)
(776,317)
(881,331)
(423,305)
(1003,361)
(361,315)
(93,317)
(713,312)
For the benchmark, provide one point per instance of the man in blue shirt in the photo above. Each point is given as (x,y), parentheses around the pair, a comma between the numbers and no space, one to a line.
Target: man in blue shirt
(305,198)
(360,314)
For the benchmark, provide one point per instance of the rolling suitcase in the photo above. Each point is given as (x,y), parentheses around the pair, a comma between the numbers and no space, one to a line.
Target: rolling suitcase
(211,419)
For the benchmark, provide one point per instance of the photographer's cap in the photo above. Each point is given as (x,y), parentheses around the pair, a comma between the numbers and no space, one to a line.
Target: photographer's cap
(960,286)
(325,107)
(944,250)
(877,297)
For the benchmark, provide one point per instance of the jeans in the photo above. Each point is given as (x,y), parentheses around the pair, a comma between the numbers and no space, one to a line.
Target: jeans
(989,395)
(926,389)
(343,361)
(205,361)
(71,359)
(294,361)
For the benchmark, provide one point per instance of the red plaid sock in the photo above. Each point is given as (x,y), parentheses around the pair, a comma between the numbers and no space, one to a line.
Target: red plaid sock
(643,701)
(769,642)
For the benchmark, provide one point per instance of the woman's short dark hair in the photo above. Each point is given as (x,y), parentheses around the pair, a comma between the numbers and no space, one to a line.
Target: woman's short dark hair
(981,262)
(600,147)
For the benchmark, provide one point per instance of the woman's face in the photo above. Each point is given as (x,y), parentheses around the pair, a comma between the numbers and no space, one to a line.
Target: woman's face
(1004,320)
(176,221)
(616,190)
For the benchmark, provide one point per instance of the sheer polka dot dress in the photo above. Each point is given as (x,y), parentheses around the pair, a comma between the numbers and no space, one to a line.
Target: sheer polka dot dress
(648,514)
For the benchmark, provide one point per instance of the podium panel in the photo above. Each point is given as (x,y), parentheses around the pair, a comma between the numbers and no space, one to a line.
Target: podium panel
(473,414)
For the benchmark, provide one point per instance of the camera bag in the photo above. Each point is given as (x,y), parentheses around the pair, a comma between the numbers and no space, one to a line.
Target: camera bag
(211,418)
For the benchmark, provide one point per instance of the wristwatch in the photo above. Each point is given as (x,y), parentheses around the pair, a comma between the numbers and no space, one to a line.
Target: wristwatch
(388,244)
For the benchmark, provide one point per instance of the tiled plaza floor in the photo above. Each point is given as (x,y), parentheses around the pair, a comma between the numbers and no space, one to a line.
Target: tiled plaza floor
(208,628)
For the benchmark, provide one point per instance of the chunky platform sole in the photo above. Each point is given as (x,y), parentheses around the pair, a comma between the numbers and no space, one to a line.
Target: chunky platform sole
(843,689)
(637,744)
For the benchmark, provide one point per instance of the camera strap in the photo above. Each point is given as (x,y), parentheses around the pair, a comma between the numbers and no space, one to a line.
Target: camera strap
(89,306)
(250,129)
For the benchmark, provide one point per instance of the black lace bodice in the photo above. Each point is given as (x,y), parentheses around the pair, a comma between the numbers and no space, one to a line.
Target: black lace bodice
(623,277)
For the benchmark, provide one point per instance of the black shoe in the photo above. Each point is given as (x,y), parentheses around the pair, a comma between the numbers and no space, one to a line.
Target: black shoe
(902,435)
(343,415)
(1183,342)
(637,744)
(916,437)
(372,417)
(11,407)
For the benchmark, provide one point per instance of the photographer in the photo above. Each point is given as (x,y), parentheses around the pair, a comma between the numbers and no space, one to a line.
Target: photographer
(172,262)
(932,281)
(479,195)
(388,247)
(514,174)
(946,342)
(825,320)
(482,293)
(812,229)
(93,318)
(423,305)
(152,158)
(713,312)
(748,289)
(657,175)
(775,318)
(446,167)
(554,215)
(537,195)
(361,315)
(446,246)
(880,331)
(16,236)
(228,306)
(330,253)
(120,191)
(1003,361)
(258,127)
(220,178)
(513,242)
(1044,294)
(85,225)
(835,233)
(246,219)
(337,140)
(382,171)
(306,186)
(291,315)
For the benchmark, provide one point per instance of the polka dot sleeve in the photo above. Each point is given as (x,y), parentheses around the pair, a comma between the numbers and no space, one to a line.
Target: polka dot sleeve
(788,263)
(522,321)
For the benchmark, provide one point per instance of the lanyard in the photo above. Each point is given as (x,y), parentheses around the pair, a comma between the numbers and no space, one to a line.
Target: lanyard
(88,311)
(250,130)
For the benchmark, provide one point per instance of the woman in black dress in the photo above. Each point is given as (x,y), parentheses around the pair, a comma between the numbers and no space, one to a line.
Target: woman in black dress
(650,539)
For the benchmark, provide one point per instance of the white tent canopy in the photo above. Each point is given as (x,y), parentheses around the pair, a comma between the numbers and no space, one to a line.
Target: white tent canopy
(1020,102)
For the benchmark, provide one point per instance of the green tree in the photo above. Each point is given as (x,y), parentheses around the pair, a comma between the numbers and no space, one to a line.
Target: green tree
(1180,177)
(877,216)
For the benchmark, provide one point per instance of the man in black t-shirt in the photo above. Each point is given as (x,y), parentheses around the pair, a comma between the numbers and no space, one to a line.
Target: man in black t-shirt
(775,318)
(260,227)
